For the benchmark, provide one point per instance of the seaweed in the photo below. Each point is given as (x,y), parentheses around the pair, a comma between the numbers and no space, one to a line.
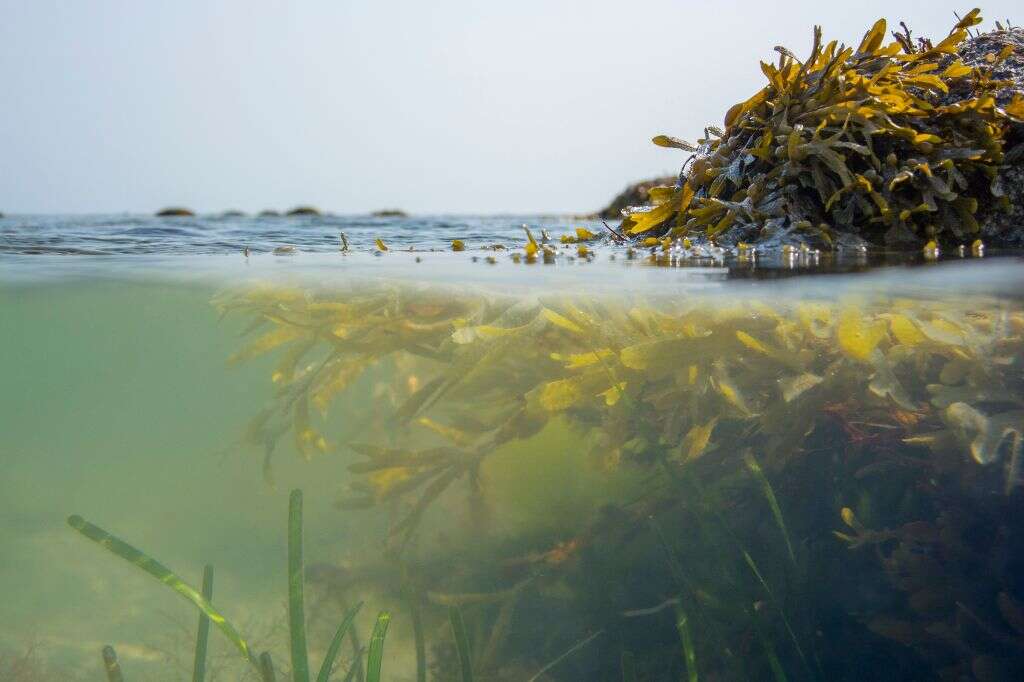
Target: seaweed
(375,654)
(896,143)
(742,427)
(262,663)
(203,629)
(461,642)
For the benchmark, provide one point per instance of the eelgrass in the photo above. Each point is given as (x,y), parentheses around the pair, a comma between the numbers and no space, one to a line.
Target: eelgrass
(332,651)
(375,654)
(628,663)
(203,629)
(163,574)
(263,663)
(266,667)
(419,640)
(686,639)
(568,652)
(296,607)
(773,502)
(778,606)
(461,642)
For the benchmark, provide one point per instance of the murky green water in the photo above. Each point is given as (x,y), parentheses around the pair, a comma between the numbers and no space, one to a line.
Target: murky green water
(801,481)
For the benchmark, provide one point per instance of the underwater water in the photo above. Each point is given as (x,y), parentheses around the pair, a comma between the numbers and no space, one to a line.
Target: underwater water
(610,471)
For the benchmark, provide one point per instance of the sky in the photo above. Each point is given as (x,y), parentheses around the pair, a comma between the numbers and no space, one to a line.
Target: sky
(448,106)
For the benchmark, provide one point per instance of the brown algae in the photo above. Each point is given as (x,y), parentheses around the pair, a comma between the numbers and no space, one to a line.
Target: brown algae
(897,143)
(733,490)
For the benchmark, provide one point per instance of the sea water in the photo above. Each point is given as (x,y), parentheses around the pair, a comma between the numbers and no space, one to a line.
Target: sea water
(610,471)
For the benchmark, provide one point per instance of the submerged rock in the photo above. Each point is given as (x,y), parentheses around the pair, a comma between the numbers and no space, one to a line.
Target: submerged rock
(232,214)
(269,213)
(304,210)
(390,213)
(175,212)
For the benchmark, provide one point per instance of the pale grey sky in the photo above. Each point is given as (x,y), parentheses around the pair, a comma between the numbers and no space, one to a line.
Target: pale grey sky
(352,105)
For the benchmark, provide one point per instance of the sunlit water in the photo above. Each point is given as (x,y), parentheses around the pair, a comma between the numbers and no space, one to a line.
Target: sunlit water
(214,234)
(818,477)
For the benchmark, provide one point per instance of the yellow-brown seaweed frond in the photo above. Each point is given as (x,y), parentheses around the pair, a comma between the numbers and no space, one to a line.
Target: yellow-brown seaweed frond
(677,381)
(896,143)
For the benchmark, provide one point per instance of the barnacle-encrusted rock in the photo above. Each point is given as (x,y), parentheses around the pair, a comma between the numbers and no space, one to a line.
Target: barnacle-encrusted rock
(634,195)
(895,144)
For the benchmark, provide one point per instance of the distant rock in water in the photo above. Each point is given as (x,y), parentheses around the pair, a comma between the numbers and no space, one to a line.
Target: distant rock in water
(304,210)
(634,195)
(269,213)
(390,213)
(175,212)
(232,214)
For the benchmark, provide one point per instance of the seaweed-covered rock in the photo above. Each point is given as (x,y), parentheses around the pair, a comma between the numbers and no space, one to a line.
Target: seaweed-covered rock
(390,213)
(634,195)
(175,212)
(1004,227)
(894,144)
(304,210)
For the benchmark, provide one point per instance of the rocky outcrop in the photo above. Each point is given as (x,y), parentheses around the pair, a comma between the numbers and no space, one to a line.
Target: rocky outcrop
(1005,226)
(390,213)
(634,195)
(303,210)
(175,212)
(889,143)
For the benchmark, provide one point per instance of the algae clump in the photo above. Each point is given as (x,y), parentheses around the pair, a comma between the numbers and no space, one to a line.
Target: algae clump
(895,143)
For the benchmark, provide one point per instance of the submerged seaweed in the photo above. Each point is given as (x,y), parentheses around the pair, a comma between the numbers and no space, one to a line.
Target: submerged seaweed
(262,663)
(723,445)
(895,143)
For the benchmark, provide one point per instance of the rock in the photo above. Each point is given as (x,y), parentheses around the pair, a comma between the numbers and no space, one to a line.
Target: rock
(232,214)
(1004,228)
(390,213)
(269,213)
(175,212)
(634,195)
(303,210)
(962,180)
